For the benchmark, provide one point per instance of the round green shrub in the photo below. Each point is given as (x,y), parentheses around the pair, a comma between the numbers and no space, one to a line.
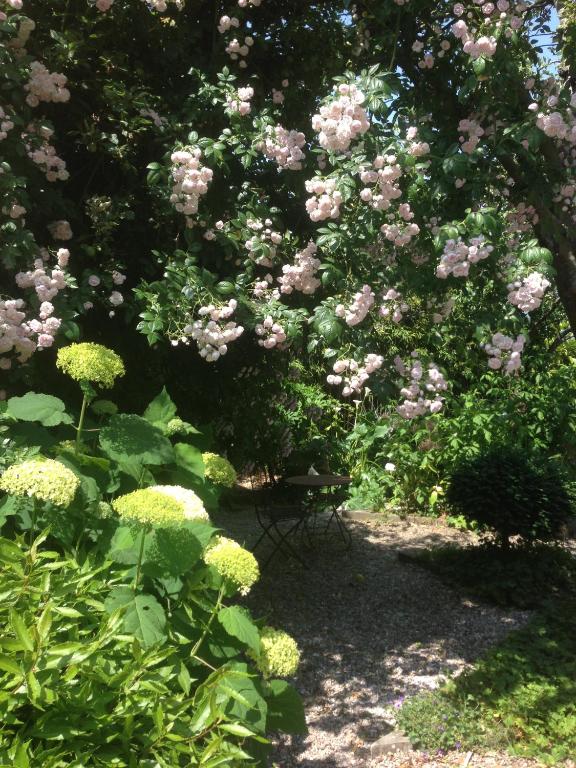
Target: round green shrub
(511,494)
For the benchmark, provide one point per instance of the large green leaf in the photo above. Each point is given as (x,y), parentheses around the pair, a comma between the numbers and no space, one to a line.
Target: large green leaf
(167,553)
(8,506)
(285,708)
(124,545)
(144,617)
(21,630)
(161,410)
(189,458)
(130,438)
(456,165)
(238,623)
(175,552)
(33,436)
(89,486)
(48,410)
(245,697)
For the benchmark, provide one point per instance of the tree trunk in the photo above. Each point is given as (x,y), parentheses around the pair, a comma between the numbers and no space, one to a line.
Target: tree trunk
(558,239)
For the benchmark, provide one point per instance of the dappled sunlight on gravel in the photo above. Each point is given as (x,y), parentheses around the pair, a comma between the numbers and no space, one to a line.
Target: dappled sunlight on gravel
(372,629)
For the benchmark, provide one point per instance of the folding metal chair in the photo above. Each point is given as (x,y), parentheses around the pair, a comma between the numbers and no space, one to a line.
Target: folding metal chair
(282,512)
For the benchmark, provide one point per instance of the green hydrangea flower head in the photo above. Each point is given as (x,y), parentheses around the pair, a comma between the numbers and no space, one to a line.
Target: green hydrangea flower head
(42,479)
(219,470)
(105,510)
(176,426)
(90,362)
(162,506)
(279,654)
(234,563)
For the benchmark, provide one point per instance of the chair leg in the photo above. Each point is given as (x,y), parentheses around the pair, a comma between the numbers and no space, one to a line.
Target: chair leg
(343,529)
(284,543)
(265,533)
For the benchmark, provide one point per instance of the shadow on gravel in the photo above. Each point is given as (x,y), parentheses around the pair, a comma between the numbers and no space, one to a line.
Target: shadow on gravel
(372,630)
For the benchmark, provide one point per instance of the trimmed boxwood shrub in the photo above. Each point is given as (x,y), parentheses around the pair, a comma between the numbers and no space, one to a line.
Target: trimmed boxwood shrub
(511,494)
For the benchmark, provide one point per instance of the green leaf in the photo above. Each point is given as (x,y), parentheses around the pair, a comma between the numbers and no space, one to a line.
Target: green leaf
(9,665)
(21,630)
(88,485)
(237,730)
(123,547)
(144,617)
(456,166)
(161,410)
(48,410)
(285,708)
(184,679)
(21,759)
(128,437)
(238,623)
(9,552)
(8,506)
(45,622)
(246,700)
(189,458)
(479,65)
(175,552)
(136,470)
(64,649)
(34,687)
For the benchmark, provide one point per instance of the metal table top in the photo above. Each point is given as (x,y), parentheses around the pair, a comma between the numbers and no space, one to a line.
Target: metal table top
(319,481)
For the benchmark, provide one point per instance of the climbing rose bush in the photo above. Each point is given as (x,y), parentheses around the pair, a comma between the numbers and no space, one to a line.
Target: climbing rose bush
(425,150)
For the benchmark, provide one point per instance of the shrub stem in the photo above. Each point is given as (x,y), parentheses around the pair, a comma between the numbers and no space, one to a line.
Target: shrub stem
(140,556)
(81,422)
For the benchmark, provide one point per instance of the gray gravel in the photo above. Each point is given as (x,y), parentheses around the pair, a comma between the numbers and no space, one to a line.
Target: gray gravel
(372,631)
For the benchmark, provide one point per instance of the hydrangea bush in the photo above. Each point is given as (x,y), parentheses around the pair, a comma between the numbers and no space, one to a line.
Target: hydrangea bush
(129,592)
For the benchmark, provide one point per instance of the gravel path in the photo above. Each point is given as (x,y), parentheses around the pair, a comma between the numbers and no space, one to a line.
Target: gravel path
(372,630)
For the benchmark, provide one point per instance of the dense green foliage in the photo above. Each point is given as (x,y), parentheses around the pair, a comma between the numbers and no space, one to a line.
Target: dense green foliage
(511,494)
(535,409)
(520,696)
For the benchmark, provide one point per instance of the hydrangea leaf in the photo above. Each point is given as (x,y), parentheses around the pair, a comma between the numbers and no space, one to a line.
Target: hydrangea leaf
(123,547)
(189,458)
(128,437)
(135,469)
(144,617)
(285,708)
(48,410)
(8,506)
(104,407)
(246,701)
(89,485)
(237,622)
(161,410)
(175,552)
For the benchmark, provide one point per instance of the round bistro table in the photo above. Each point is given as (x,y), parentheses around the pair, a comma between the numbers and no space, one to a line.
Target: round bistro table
(319,481)
(316,484)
